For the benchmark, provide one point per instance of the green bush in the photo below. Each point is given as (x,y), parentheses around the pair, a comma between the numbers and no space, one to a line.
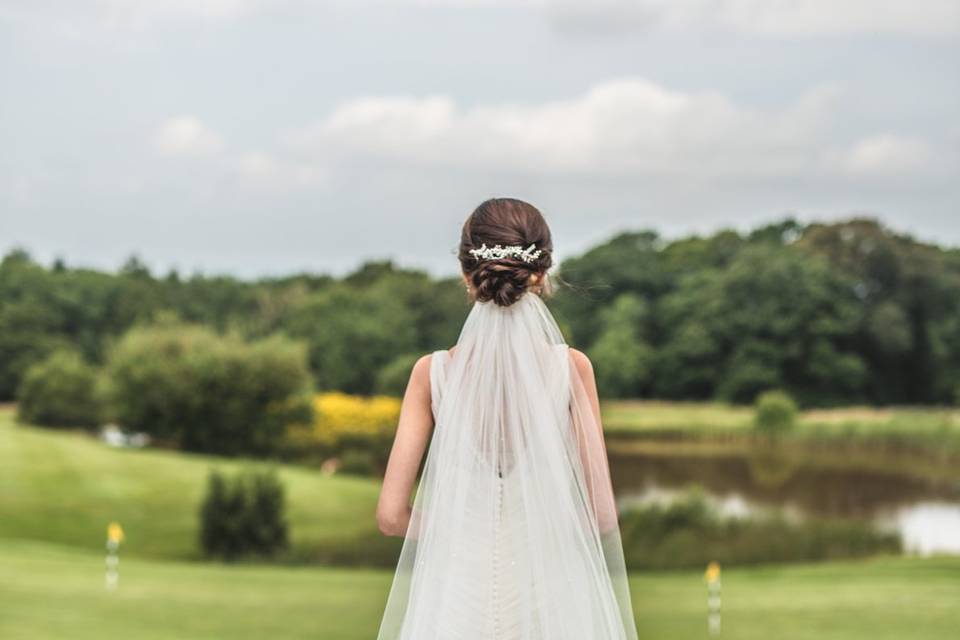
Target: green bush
(60,391)
(776,411)
(243,516)
(207,392)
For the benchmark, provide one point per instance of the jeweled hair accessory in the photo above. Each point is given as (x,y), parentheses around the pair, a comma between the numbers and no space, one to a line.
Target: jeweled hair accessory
(497,252)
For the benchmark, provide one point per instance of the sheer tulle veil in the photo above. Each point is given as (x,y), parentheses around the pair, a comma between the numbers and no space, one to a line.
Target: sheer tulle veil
(513,534)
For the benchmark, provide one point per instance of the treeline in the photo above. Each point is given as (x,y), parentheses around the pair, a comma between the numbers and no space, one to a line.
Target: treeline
(833,314)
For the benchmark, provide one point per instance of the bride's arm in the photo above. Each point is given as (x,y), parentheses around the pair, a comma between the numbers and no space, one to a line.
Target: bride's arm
(593,450)
(410,441)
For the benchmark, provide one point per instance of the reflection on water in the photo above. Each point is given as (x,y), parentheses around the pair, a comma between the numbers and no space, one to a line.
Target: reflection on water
(928,527)
(926,512)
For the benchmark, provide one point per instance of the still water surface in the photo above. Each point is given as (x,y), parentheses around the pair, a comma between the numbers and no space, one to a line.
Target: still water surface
(925,510)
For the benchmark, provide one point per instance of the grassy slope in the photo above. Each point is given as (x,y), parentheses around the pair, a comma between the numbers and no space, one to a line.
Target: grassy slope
(47,591)
(60,490)
(65,488)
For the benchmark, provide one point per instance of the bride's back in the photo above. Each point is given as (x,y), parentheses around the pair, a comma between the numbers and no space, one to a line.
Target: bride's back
(512,534)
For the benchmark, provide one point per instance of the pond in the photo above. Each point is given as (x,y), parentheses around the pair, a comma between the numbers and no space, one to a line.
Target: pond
(923,507)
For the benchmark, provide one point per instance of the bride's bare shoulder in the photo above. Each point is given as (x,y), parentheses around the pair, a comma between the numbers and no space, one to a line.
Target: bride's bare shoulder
(421,368)
(584,366)
(420,374)
(579,357)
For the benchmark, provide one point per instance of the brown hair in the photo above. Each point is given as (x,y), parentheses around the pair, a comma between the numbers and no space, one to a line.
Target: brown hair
(506,221)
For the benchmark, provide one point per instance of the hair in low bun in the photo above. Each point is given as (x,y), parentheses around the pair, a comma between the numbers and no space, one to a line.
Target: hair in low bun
(506,221)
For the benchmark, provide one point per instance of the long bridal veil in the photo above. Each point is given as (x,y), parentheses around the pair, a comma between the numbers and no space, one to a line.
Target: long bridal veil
(513,534)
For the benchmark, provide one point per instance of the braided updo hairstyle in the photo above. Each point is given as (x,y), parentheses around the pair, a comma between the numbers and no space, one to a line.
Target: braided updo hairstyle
(506,221)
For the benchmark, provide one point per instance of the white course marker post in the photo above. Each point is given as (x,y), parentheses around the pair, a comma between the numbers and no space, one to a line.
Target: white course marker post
(712,577)
(114,538)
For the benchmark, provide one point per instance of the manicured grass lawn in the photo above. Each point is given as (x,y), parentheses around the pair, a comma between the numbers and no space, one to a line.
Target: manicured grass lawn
(66,487)
(53,592)
(50,591)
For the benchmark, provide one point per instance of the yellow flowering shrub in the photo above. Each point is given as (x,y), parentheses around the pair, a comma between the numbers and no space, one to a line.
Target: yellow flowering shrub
(339,416)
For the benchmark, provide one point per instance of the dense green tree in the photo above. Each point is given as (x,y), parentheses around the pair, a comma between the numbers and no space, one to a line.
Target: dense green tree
(840,312)
(772,318)
(621,356)
(351,334)
(436,308)
(910,294)
(207,392)
(628,263)
(393,377)
(60,391)
(31,323)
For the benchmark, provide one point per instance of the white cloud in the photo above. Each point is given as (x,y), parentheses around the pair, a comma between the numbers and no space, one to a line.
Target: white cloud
(186,135)
(263,170)
(625,127)
(886,154)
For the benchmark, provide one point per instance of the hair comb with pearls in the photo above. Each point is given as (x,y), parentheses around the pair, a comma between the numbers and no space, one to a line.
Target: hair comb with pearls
(497,252)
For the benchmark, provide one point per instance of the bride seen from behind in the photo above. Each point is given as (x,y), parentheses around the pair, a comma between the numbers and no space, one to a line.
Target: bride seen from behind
(512,533)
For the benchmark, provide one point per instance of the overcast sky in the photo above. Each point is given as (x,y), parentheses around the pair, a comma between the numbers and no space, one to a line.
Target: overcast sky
(261,137)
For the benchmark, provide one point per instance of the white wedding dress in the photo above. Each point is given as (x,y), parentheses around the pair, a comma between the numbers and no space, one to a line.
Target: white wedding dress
(514,528)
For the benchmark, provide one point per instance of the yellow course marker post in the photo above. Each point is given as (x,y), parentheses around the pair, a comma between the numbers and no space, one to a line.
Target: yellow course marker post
(712,578)
(114,538)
